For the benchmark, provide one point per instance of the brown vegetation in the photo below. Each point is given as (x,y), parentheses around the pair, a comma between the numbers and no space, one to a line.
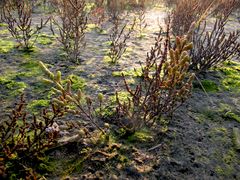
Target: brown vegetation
(18,17)
(72,24)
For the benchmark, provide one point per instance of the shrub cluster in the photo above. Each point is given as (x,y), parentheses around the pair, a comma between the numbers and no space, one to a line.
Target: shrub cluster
(185,48)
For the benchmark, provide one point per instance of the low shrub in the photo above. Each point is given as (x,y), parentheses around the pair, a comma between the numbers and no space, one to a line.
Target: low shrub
(212,47)
(72,25)
(165,85)
(18,17)
(118,37)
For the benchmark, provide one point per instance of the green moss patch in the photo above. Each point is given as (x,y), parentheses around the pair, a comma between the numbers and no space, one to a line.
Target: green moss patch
(122,95)
(208,85)
(231,81)
(6,46)
(4,32)
(3,25)
(11,87)
(38,104)
(231,116)
(91,27)
(45,39)
(77,82)
(132,72)
(30,68)
(143,135)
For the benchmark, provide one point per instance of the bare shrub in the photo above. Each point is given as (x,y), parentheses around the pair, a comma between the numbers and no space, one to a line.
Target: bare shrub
(141,24)
(185,13)
(166,84)
(98,14)
(18,16)
(226,6)
(72,24)
(214,46)
(118,37)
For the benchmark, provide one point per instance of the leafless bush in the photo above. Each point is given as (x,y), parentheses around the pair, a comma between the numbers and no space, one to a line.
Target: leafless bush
(214,46)
(118,37)
(18,16)
(141,24)
(98,15)
(71,26)
(166,84)
(185,13)
(226,6)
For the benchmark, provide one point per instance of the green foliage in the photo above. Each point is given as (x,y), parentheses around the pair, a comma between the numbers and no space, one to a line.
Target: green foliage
(208,85)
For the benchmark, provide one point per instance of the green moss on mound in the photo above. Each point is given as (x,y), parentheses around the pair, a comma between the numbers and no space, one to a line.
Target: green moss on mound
(231,72)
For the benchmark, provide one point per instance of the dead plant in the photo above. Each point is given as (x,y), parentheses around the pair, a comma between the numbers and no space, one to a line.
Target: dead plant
(119,35)
(185,13)
(18,16)
(214,46)
(72,25)
(141,21)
